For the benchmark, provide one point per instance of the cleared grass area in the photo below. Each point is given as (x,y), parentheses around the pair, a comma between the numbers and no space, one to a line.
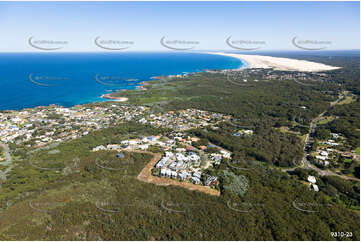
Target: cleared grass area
(347,100)
(284,129)
(326,120)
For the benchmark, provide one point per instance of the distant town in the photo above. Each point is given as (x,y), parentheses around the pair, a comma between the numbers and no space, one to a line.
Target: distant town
(38,127)
(43,125)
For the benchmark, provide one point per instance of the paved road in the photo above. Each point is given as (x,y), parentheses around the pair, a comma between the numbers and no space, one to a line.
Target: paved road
(305,163)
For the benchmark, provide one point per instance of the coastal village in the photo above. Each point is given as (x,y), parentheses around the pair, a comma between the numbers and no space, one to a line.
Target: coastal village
(180,159)
(332,152)
(41,126)
(261,74)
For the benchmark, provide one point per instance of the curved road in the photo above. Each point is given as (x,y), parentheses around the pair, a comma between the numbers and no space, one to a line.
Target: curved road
(305,163)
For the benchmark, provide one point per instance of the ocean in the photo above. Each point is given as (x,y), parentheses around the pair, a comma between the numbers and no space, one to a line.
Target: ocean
(67,79)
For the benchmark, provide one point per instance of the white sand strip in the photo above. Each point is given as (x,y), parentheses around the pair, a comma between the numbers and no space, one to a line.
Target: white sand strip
(278,63)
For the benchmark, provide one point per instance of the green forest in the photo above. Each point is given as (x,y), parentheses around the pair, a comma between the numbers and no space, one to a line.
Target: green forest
(60,192)
(90,203)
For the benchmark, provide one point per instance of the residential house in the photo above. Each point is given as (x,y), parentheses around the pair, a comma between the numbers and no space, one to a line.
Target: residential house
(311,179)
(196,180)
(315,187)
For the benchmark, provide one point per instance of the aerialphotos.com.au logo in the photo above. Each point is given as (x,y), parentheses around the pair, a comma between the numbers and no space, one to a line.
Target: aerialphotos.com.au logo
(178,44)
(310,44)
(46,81)
(113,44)
(44,207)
(245,44)
(243,207)
(309,207)
(300,121)
(111,206)
(239,164)
(117,163)
(181,207)
(56,166)
(47,45)
(237,78)
(305,84)
(109,80)
(39,164)
(171,206)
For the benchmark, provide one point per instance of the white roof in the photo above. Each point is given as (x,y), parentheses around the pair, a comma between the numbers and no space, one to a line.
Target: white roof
(196,179)
(197,174)
(168,153)
(311,179)
(315,187)
(320,157)
(324,153)
(183,174)
(194,157)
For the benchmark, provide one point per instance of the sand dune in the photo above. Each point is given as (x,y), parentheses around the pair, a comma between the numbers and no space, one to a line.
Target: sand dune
(278,63)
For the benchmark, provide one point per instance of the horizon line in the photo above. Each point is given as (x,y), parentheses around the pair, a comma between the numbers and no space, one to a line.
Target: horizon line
(188,51)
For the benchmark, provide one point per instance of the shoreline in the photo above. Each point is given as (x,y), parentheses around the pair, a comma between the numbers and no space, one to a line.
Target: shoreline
(277,63)
(118,99)
(124,99)
(248,61)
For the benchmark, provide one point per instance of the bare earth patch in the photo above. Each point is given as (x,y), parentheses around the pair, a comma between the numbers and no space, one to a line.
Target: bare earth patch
(146,176)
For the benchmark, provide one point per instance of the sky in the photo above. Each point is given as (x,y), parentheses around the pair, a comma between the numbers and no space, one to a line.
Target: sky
(73,26)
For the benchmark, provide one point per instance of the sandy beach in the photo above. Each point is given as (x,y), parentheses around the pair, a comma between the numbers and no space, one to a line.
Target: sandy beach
(278,63)
(119,99)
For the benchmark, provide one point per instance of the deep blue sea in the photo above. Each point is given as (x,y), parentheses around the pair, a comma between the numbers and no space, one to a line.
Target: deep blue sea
(67,79)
